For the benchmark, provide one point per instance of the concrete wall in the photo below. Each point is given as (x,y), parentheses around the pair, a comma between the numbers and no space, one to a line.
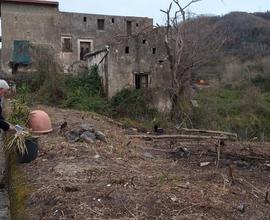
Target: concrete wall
(44,24)
(35,23)
(84,27)
(140,59)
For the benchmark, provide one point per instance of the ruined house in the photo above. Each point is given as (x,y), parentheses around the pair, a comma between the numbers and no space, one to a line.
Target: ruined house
(127,49)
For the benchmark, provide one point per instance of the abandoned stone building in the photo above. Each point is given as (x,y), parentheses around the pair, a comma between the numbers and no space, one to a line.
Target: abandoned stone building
(127,49)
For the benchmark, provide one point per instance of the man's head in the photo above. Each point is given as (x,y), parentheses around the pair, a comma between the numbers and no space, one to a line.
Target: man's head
(4,87)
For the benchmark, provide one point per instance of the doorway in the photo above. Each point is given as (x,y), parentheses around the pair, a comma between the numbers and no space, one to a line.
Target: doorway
(85,47)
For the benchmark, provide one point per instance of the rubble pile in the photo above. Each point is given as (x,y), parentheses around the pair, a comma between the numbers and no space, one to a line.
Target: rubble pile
(86,133)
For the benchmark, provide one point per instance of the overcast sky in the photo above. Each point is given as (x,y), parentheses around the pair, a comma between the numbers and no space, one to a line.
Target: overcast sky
(151,8)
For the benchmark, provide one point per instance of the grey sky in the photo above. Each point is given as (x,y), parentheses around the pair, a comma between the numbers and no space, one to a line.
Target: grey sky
(151,8)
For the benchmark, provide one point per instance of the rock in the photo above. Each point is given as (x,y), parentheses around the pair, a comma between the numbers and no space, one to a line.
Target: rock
(241,208)
(174,198)
(87,127)
(203,164)
(148,155)
(88,137)
(184,186)
(100,136)
(72,137)
(76,131)
(97,156)
(179,153)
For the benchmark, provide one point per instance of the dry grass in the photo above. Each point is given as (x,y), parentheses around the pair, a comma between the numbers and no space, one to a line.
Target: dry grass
(140,179)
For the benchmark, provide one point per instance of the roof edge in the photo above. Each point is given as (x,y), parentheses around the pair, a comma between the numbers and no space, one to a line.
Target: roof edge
(35,2)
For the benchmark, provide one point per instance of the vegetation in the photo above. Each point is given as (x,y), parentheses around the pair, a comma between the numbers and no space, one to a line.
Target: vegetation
(244,110)
(85,92)
(238,101)
(18,190)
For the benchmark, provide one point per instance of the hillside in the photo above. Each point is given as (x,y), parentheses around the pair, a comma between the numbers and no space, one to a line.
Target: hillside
(247,35)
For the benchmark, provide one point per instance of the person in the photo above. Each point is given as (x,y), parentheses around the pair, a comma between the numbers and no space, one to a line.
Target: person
(4,88)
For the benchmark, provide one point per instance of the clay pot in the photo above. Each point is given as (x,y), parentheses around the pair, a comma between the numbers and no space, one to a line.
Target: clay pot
(39,122)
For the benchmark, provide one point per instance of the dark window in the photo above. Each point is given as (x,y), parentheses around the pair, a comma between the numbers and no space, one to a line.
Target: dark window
(84,19)
(144,41)
(154,50)
(137,25)
(129,27)
(127,49)
(112,20)
(100,24)
(141,81)
(85,48)
(66,44)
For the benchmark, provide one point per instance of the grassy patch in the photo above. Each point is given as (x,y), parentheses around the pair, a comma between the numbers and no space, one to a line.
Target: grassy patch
(19,190)
(242,110)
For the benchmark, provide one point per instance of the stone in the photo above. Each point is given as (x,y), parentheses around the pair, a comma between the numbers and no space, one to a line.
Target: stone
(88,137)
(76,131)
(100,136)
(203,164)
(87,127)
(148,155)
(241,208)
(71,137)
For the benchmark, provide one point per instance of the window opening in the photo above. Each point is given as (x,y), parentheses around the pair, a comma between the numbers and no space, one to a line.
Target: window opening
(100,24)
(127,50)
(112,20)
(85,47)
(144,41)
(129,27)
(141,81)
(84,19)
(154,50)
(66,44)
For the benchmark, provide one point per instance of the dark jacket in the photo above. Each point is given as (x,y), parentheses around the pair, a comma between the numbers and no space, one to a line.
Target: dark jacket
(3,124)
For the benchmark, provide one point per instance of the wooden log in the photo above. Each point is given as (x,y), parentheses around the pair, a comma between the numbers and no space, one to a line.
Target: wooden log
(208,132)
(182,136)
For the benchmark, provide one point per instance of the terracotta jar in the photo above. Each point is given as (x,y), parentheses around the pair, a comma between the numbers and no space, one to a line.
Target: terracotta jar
(39,122)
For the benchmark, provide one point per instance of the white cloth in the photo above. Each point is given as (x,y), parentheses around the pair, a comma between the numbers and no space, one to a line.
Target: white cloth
(3,84)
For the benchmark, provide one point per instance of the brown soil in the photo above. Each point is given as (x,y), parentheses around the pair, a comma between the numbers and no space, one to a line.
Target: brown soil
(136,179)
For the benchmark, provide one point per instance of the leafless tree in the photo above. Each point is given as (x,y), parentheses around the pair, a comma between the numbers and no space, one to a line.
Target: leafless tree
(185,41)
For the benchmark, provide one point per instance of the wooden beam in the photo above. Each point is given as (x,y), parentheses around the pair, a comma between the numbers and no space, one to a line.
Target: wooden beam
(208,132)
(182,136)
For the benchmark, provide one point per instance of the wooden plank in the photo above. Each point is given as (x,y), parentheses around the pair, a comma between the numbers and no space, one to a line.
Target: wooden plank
(208,131)
(182,136)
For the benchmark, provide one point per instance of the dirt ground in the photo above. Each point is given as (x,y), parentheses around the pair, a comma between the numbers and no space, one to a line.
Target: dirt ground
(136,179)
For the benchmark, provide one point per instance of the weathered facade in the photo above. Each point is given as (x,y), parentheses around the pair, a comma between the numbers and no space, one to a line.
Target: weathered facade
(133,54)
(71,35)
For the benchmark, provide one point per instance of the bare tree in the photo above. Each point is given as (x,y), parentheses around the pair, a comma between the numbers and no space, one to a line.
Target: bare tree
(185,41)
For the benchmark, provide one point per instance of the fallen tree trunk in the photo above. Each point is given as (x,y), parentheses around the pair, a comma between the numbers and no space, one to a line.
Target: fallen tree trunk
(208,132)
(183,136)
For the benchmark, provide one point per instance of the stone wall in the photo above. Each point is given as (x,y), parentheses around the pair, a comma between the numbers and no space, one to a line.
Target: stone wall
(34,23)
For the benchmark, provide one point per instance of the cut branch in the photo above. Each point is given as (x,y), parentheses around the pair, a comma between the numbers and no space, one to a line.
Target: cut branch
(182,136)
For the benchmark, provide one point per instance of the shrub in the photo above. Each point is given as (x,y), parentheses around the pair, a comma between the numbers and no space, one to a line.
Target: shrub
(19,112)
(236,109)
(85,92)
(135,104)
(89,81)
